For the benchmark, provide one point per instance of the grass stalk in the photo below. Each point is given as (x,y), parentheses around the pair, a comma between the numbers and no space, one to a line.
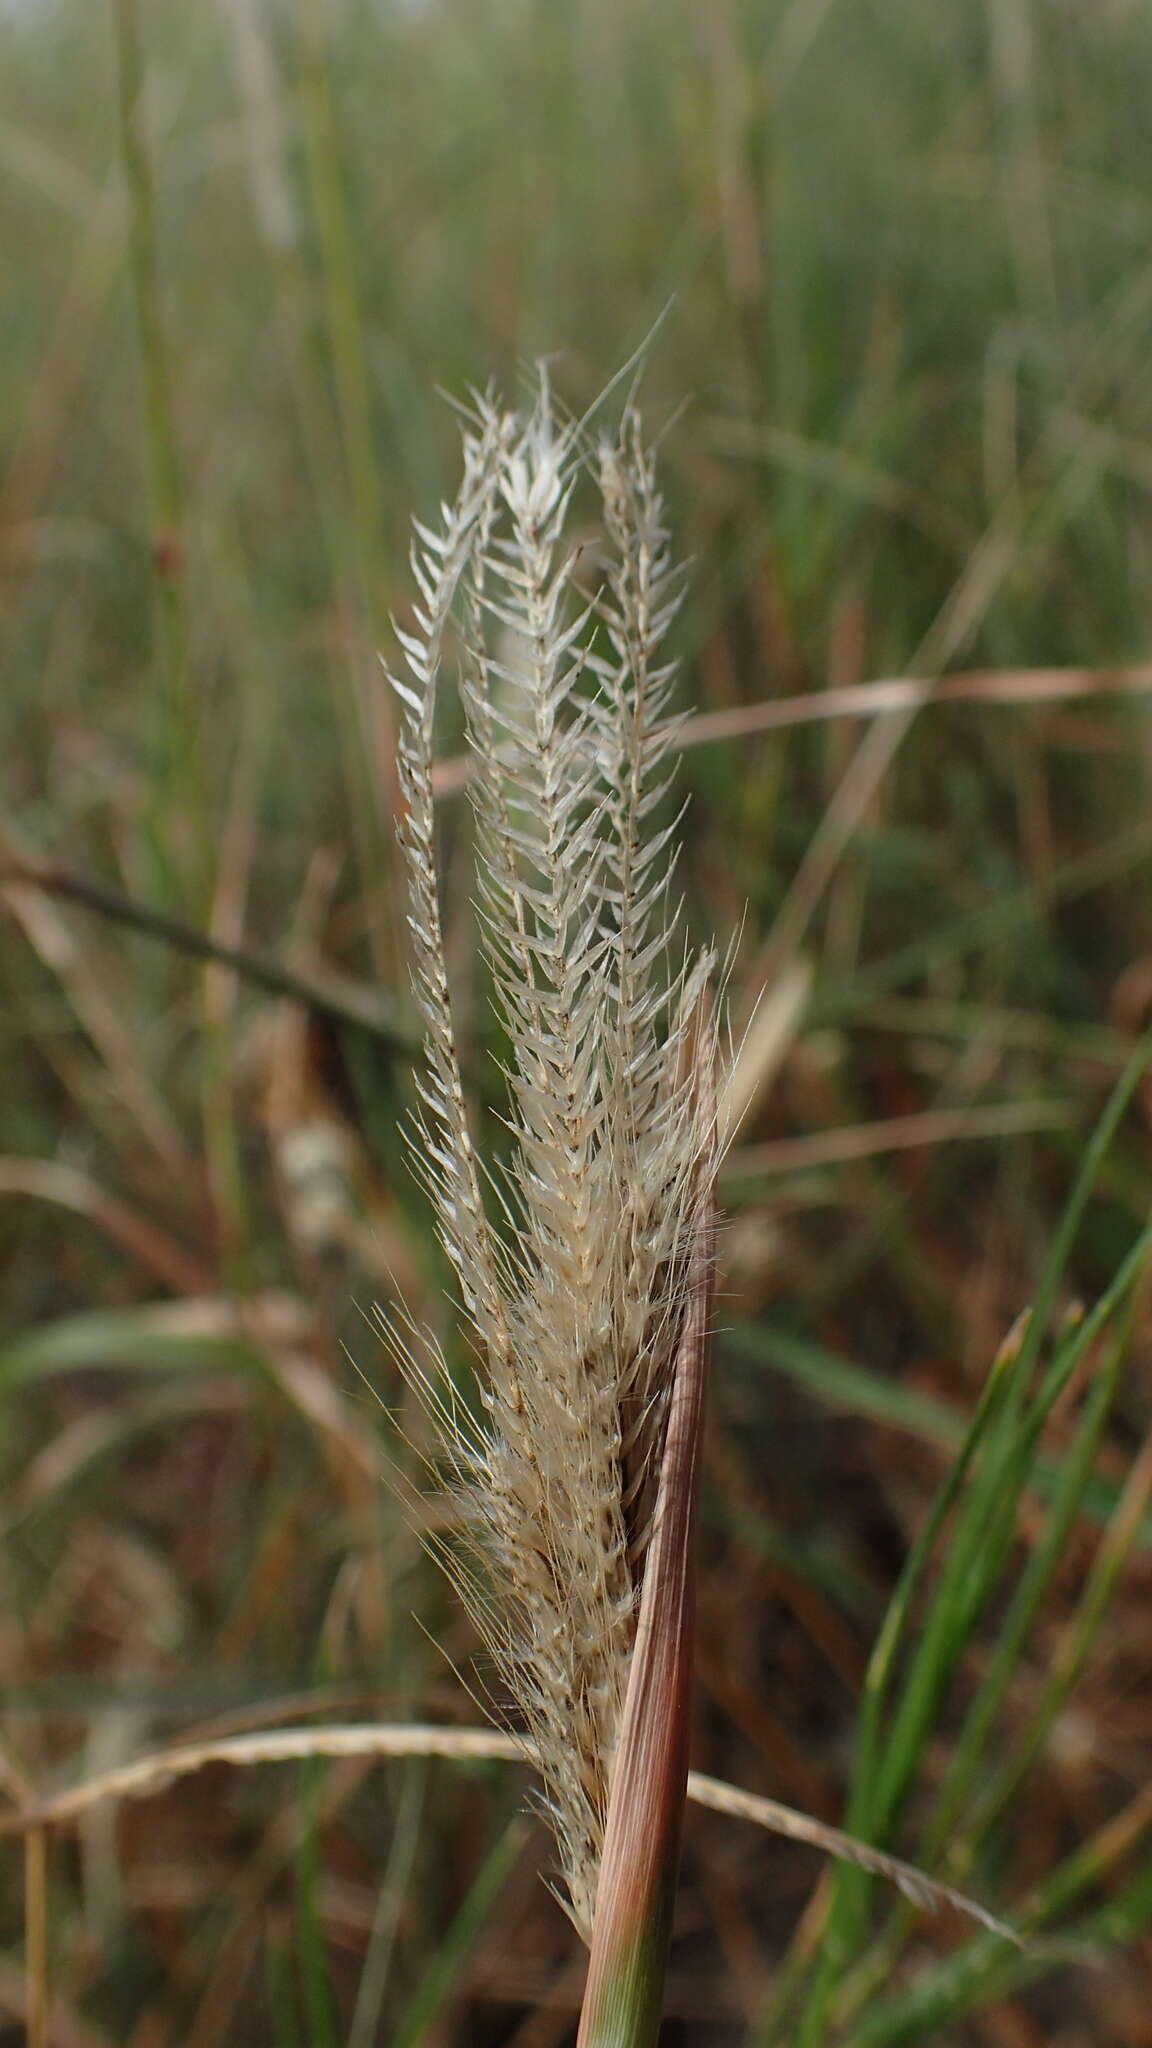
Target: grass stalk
(410,1806)
(310,1952)
(36,1937)
(445,1965)
(179,791)
(370,766)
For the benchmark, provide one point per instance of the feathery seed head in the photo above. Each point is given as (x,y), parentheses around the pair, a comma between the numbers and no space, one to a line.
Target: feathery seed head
(575,1268)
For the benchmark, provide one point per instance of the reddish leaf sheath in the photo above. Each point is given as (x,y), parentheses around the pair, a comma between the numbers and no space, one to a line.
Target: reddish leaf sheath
(634,1898)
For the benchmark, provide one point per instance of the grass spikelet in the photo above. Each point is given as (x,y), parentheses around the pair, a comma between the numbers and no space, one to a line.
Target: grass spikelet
(579,1268)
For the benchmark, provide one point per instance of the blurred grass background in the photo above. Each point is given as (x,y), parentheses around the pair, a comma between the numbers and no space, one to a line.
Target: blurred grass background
(899,258)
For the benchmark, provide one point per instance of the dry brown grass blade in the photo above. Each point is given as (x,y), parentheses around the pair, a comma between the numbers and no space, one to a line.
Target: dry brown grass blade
(99,1430)
(50,1180)
(1028,686)
(772,1031)
(98,1011)
(895,1134)
(147,1776)
(333,995)
(922,1891)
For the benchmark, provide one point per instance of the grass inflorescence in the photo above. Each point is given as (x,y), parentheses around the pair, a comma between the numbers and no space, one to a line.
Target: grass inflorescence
(587,1271)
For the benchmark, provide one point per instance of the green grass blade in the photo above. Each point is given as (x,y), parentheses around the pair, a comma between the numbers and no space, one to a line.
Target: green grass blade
(449,1959)
(1004,1433)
